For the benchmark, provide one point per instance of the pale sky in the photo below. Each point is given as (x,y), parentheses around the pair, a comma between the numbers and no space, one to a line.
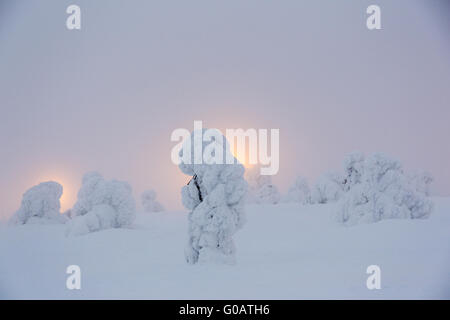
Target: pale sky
(107,97)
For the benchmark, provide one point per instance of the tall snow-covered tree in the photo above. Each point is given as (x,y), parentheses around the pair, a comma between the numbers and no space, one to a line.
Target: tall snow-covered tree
(149,202)
(214,197)
(329,188)
(40,204)
(299,192)
(101,205)
(384,193)
(261,190)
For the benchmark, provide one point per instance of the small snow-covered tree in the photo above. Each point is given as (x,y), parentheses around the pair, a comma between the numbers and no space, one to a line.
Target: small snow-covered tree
(299,192)
(384,193)
(214,197)
(100,217)
(261,190)
(329,188)
(421,182)
(40,204)
(101,204)
(149,203)
(354,169)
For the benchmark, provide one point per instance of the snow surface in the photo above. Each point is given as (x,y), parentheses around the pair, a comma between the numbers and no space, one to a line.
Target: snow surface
(285,251)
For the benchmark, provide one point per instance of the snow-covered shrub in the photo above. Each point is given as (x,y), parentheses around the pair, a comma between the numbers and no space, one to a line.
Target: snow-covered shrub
(96,191)
(299,192)
(384,193)
(149,203)
(329,188)
(40,204)
(215,197)
(261,190)
(421,182)
(100,217)
(354,169)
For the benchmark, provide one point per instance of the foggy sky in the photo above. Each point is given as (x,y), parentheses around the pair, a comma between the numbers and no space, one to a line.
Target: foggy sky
(107,97)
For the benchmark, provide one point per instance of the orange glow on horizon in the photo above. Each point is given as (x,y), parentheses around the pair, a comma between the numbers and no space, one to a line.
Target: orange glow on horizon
(242,159)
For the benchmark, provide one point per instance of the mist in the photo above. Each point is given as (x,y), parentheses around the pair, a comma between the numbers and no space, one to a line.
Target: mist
(107,97)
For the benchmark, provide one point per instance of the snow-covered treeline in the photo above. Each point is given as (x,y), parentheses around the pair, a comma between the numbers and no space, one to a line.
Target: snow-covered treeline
(100,205)
(368,190)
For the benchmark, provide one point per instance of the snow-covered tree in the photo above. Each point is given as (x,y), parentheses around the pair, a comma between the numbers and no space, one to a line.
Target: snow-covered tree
(384,193)
(149,203)
(354,169)
(299,192)
(40,204)
(101,204)
(421,182)
(261,190)
(329,188)
(100,217)
(215,197)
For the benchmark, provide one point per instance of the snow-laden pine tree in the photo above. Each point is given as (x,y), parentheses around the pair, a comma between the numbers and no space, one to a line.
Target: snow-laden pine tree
(40,204)
(101,205)
(149,202)
(384,193)
(421,182)
(299,192)
(214,196)
(354,169)
(261,190)
(328,188)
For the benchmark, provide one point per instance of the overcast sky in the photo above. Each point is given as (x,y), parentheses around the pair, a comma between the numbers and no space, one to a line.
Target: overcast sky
(108,97)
